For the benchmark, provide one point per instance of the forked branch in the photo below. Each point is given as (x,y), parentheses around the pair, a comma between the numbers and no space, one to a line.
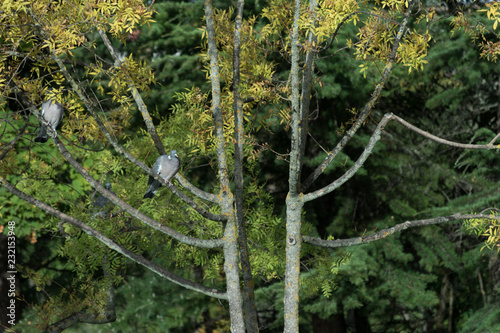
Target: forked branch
(375,138)
(363,115)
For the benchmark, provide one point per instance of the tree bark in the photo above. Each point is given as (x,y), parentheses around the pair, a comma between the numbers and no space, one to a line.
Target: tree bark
(498,106)
(494,279)
(442,304)
(294,201)
(251,321)
(334,324)
(231,264)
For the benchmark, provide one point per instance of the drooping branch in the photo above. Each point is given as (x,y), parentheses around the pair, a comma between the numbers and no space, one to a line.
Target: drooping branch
(371,144)
(390,231)
(131,210)
(490,145)
(112,245)
(363,115)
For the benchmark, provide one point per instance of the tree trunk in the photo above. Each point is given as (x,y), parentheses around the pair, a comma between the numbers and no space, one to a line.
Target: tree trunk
(295,199)
(231,269)
(334,324)
(292,274)
(442,304)
(498,106)
(250,310)
(231,264)
(494,279)
(358,322)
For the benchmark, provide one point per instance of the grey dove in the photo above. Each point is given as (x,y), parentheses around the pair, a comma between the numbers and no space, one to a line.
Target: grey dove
(53,112)
(99,204)
(166,166)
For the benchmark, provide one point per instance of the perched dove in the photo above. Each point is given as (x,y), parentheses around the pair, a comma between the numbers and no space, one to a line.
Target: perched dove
(53,112)
(166,166)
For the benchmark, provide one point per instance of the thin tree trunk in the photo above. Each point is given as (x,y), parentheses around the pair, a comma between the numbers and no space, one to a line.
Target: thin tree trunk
(231,264)
(450,311)
(334,324)
(494,278)
(498,106)
(233,278)
(250,311)
(442,304)
(295,201)
(481,286)
(294,206)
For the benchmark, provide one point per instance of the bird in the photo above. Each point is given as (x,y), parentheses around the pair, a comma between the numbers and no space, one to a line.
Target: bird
(52,112)
(166,166)
(99,205)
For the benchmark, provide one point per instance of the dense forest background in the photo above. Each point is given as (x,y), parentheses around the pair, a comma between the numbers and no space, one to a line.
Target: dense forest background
(430,279)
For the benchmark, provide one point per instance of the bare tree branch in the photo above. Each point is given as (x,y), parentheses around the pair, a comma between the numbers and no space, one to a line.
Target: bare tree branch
(389,231)
(437,139)
(195,190)
(371,144)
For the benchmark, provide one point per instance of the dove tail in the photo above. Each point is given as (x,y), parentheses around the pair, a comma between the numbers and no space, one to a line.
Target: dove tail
(42,135)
